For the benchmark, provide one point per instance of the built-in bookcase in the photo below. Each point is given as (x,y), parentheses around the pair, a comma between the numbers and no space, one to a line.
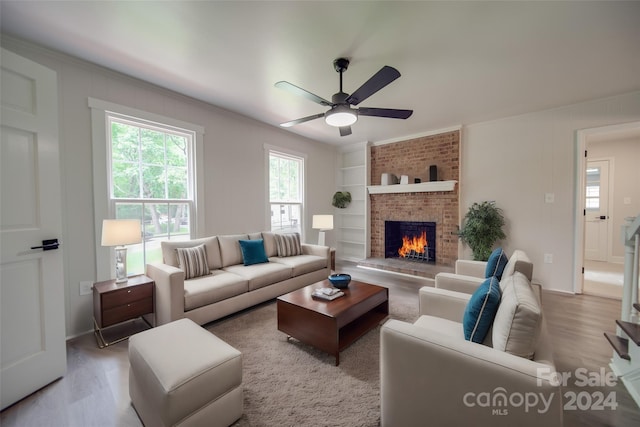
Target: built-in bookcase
(351,222)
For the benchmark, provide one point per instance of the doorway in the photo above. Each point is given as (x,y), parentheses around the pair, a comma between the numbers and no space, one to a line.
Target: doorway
(607,160)
(596,231)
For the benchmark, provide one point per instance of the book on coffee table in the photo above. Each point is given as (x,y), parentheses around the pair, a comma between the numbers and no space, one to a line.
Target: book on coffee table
(327,293)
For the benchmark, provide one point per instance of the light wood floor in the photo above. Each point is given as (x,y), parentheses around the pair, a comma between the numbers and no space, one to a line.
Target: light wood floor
(95,390)
(603,279)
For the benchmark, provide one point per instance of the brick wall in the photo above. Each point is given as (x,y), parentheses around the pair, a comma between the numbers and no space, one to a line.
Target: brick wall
(413,157)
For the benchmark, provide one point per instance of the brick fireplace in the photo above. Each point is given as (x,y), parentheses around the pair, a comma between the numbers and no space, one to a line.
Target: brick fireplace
(414,157)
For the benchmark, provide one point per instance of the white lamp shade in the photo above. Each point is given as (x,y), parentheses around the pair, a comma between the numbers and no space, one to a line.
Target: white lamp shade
(322,222)
(116,232)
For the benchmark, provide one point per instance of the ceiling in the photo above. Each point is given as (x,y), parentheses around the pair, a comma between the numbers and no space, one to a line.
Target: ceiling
(461,62)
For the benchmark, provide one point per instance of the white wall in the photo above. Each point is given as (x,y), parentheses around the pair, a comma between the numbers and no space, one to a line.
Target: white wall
(235,199)
(516,160)
(625,178)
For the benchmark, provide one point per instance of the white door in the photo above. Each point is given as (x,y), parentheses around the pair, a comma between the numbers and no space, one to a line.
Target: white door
(32,328)
(596,211)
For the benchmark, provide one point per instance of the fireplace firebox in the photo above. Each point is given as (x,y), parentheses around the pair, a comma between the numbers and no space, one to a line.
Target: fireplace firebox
(410,240)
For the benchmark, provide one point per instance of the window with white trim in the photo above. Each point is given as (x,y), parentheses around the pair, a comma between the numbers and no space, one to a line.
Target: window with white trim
(151,179)
(286,195)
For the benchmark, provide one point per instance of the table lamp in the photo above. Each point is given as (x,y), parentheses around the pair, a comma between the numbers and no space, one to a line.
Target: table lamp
(322,223)
(120,232)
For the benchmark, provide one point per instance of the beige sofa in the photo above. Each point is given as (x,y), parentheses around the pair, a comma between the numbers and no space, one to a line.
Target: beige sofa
(429,373)
(231,286)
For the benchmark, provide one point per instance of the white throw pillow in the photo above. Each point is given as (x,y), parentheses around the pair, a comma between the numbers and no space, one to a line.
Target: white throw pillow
(517,325)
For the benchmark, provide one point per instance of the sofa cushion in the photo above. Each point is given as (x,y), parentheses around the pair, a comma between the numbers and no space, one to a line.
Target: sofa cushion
(302,264)
(496,263)
(193,261)
(217,286)
(288,244)
(253,252)
(518,261)
(261,275)
(481,310)
(269,239)
(518,322)
(170,256)
(230,252)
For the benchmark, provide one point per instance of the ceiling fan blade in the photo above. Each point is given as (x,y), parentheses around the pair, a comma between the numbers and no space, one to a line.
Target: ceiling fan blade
(301,92)
(379,80)
(345,130)
(302,120)
(385,112)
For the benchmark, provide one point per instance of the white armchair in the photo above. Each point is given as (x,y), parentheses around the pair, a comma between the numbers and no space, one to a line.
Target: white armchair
(470,274)
(430,375)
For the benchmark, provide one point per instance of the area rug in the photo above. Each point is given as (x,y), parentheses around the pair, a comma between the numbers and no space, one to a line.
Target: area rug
(287,383)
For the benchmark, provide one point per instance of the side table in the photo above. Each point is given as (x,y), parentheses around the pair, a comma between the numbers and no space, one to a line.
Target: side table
(333,259)
(115,303)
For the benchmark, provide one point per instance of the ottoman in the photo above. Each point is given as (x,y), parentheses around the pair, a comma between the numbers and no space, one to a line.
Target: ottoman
(182,375)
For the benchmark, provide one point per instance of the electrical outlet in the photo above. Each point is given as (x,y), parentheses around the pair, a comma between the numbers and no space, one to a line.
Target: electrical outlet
(86,287)
(548,258)
(549,197)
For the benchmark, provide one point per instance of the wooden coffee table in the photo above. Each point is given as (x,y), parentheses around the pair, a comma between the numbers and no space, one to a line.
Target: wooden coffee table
(331,326)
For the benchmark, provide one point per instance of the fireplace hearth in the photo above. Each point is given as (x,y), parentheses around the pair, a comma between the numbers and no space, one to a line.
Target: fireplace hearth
(410,240)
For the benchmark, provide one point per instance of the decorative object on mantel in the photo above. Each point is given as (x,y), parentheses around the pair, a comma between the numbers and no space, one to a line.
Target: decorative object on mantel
(422,187)
(406,179)
(388,179)
(482,229)
(433,173)
(341,199)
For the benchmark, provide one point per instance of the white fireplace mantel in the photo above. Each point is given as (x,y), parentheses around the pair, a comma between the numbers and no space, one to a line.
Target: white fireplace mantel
(422,187)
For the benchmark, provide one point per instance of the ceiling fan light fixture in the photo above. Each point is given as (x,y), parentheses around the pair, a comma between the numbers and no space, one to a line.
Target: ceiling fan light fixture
(340,116)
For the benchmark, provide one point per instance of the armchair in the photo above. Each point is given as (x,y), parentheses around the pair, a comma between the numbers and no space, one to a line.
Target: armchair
(429,374)
(470,274)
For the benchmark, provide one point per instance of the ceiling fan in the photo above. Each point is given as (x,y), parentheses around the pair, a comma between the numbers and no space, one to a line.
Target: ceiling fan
(341,114)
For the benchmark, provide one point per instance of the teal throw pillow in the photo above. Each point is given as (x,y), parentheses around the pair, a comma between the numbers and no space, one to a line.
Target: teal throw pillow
(481,310)
(496,264)
(253,251)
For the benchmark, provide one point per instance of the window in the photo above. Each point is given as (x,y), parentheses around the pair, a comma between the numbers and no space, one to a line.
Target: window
(150,180)
(286,196)
(148,167)
(592,196)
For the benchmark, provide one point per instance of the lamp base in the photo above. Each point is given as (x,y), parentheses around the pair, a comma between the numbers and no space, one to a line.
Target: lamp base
(321,238)
(121,265)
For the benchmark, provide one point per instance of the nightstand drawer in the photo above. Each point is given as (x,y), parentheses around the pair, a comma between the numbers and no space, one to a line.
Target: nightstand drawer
(127,312)
(126,296)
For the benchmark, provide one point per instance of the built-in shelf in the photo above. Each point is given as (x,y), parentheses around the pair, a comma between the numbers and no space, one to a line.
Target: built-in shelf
(351,242)
(351,232)
(422,187)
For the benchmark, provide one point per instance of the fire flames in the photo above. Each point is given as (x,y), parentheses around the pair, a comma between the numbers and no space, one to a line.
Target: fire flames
(417,244)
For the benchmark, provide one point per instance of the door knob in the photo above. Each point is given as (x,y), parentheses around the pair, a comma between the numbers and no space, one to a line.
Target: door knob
(48,245)
(603,217)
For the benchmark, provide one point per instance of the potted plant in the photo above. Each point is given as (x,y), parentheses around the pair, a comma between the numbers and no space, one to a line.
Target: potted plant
(482,228)
(341,199)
